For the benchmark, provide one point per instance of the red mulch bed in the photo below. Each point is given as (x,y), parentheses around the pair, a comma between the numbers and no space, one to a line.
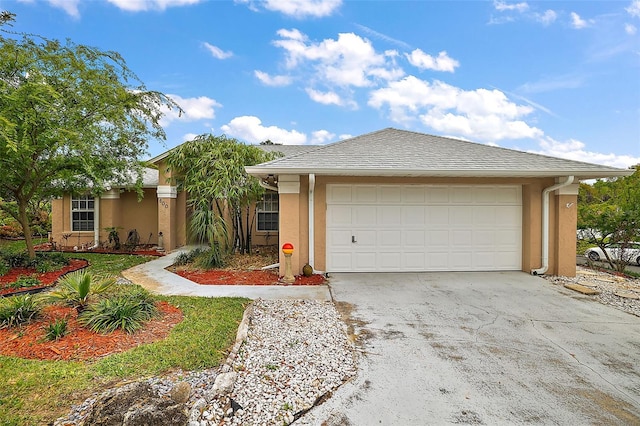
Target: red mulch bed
(48,279)
(229,277)
(82,344)
(140,251)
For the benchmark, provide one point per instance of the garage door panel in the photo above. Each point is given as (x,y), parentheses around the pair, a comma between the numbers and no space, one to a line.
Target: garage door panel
(365,194)
(365,261)
(413,194)
(339,238)
(390,216)
(423,227)
(364,216)
(413,215)
(392,238)
(414,238)
(339,194)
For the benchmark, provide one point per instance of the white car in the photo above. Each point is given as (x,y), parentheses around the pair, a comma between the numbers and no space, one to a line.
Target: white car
(631,253)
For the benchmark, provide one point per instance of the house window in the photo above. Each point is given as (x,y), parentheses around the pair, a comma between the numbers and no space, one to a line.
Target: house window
(82,213)
(268,212)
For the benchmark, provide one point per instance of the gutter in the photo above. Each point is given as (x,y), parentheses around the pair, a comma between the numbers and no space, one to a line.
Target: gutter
(545,224)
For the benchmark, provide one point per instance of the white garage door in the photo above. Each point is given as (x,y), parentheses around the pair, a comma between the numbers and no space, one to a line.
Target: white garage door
(423,228)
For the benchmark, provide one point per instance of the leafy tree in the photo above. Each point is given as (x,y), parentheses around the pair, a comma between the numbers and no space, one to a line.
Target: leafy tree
(72,118)
(211,170)
(609,214)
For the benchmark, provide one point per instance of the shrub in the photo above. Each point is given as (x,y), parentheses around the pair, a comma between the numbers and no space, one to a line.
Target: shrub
(56,329)
(122,312)
(4,266)
(187,257)
(25,281)
(17,259)
(18,310)
(77,288)
(212,258)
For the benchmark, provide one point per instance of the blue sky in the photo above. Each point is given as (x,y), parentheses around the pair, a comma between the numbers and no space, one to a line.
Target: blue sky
(557,78)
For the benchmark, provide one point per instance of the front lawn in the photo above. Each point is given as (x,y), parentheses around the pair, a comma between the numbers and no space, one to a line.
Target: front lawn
(38,392)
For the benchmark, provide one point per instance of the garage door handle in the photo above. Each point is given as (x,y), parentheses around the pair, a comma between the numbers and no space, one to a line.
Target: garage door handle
(353,239)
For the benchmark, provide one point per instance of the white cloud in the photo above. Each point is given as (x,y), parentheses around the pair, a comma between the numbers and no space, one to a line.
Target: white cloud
(296,8)
(345,136)
(634,8)
(481,114)
(547,18)
(217,52)
(630,29)
(69,6)
(189,137)
(250,129)
(143,5)
(348,61)
(504,6)
(272,80)
(325,98)
(422,60)
(320,137)
(194,109)
(578,23)
(573,149)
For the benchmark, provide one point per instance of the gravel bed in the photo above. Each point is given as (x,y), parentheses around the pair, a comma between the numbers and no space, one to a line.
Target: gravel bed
(620,292)
(295,354)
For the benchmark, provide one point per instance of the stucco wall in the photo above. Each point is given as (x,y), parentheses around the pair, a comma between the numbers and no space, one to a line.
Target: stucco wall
(562,220)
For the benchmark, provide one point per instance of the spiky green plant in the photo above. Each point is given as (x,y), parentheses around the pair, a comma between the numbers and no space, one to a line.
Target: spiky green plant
(77,289)
(56,329)
(18,310)
(107,315)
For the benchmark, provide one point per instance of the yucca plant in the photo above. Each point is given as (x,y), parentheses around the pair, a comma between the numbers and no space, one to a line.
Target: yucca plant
(18,310)
(77,289)
(56,329)
(108,315)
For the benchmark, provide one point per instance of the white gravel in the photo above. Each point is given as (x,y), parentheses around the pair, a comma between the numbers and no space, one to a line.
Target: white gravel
(620,292)
(295,354)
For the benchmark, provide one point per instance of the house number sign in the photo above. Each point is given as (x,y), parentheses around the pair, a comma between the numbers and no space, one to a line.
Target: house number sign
(164,203)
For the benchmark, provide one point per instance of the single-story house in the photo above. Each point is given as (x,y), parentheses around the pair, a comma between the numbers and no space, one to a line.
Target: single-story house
(396,200)
(390,200)
(81,220)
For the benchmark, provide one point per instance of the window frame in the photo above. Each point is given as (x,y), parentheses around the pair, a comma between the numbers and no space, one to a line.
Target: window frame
(266,207)
(83,204)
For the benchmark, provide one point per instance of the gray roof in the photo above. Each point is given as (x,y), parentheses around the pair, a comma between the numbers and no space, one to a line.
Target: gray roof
(393,152)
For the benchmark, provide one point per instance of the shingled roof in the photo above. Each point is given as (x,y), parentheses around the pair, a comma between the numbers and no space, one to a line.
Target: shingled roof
(393,152)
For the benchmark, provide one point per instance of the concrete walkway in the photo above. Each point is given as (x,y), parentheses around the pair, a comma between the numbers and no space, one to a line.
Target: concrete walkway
(154,277)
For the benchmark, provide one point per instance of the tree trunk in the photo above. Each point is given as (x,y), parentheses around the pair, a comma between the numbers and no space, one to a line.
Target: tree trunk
(23,218)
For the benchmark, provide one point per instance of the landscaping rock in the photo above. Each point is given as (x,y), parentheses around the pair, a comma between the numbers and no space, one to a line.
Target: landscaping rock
(156,412)
(180,393)
(135,404)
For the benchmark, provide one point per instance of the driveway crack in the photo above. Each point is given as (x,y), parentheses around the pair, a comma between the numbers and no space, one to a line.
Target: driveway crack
(533,323)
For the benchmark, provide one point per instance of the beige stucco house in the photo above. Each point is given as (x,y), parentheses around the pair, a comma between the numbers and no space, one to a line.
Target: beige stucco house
(386,201)
(396,200)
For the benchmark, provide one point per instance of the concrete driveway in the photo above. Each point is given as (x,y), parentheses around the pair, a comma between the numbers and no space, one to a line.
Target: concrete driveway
(483,348)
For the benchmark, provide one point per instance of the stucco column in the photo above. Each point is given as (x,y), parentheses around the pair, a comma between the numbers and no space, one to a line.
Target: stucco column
(110,212)
(167,215)
(289,216)
(566,212)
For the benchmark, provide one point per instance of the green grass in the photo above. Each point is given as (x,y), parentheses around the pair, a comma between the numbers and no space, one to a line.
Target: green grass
(37,392)
(109,264)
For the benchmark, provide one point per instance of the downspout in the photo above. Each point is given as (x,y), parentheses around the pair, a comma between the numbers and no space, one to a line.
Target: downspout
(545,224)
(312,185)
(96,223)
